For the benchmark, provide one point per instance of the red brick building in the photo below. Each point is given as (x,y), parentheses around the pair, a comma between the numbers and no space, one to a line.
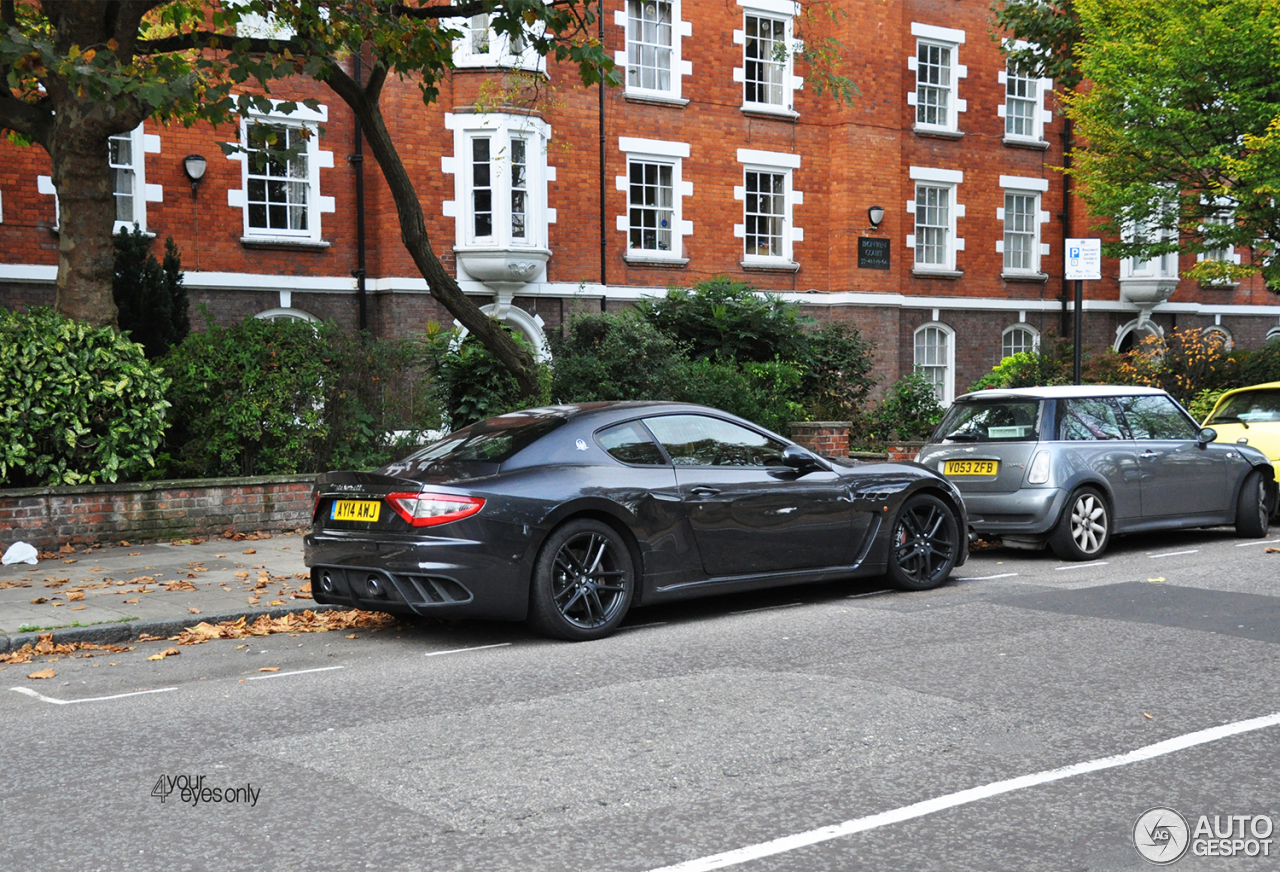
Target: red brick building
(718,160)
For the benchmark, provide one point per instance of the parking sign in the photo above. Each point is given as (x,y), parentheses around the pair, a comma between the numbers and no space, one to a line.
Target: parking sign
(1084,259)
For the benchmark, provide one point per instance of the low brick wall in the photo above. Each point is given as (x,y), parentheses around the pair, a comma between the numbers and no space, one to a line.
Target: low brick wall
(827,438)
(904,450)
(141,511)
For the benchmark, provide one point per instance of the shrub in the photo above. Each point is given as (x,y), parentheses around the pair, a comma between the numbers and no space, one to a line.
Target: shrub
(1204,402)
(77,403)
(1050,364)
(724,319)
(471,384)
(908,413)
(272,397)
(837,364)
(150,295)
(1182,363)
(614,357)
(1256,366)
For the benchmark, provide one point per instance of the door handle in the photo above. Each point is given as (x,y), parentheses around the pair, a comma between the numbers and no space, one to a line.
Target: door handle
(704,491)
(1148,455)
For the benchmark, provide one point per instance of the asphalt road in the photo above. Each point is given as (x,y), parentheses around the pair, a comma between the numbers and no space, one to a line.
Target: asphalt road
(716,726)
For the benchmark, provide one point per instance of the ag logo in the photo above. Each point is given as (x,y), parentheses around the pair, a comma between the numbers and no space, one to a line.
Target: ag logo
(1161,836)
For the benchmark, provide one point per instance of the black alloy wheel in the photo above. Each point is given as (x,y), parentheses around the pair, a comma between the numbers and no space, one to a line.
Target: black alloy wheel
(925,543)
(582,582)
(1253,508)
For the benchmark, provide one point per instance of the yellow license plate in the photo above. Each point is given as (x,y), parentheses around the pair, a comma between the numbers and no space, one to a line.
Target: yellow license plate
(971,467)
(355,510)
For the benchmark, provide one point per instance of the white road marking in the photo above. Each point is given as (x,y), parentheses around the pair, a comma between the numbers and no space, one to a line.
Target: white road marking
(1256,542)
(295,672)
(765,609)
(869,593)
(40,696)
(1174,553)
(964,797)
(987,577)
(1081,565)
(461,650)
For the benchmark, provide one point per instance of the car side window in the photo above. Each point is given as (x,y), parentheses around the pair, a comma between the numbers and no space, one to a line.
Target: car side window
(1088,418)
(698,440)
(1155,417)
(631,443)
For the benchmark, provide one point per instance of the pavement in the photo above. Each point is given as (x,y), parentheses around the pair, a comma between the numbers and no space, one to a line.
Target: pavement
(108,593)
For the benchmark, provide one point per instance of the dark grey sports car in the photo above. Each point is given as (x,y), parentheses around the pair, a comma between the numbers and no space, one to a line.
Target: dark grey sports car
(568,516)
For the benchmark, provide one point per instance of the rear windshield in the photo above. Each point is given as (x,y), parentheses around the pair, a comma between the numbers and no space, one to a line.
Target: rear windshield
(492,441)
(990,421)
(1251,407)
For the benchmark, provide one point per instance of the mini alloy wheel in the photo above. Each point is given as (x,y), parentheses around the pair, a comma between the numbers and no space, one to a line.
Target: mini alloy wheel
(583,582)
(1085,527)
(925,543)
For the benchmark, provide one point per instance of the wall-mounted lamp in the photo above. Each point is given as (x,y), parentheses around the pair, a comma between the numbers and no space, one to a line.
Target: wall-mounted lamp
(194,166)
(876,214)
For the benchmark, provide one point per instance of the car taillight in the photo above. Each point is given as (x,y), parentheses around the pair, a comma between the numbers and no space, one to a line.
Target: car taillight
(428,510)
(1039,471)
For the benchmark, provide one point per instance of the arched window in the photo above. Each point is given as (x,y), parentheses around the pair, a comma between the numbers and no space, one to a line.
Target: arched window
(1129,335)
(289,314)
(1273,334)
(517,319)
(935,359)
(1018,338)
(1217,333)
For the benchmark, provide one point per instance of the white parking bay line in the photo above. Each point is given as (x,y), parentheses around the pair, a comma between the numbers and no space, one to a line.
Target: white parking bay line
(987,577)
(1174,553)
(1256,542)
(295,672)
(40,696)
(964,797)
(461,650)
(1082,565)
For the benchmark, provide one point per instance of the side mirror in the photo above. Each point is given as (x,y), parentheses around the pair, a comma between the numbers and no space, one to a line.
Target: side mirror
(1205,436)
(801,461)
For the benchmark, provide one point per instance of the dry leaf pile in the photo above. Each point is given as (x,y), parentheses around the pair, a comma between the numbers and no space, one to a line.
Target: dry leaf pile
(45,647)
(246,537)
(305,622)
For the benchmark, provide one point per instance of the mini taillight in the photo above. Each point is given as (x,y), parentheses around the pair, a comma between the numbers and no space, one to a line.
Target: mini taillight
(428,510)
(1039,471)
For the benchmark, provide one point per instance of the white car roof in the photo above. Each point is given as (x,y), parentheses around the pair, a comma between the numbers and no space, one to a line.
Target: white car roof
(1054,392)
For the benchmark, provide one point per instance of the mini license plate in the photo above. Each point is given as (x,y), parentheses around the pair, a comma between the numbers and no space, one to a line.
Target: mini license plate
(971,467)
(355,510)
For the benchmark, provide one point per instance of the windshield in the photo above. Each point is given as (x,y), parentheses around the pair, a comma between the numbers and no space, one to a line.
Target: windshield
(990,421)
(492,441)
(1251,407)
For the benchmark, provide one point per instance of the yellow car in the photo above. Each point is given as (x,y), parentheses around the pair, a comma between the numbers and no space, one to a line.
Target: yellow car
(1250,416)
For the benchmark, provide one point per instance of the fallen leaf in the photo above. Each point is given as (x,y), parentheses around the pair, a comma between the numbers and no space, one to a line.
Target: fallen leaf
(75,596)
(1273,551)
(250,551)
(77,608)
(277,602)
(95,568)
(239,647)
(353,636)
(194,610)
(38,600)
(133,553)
(130,602)
(124,543)
(69,560)
(171,652)
(263,669)
(222,555)
(67,549)
(179,585)
(42,673)
(1147,716)
(242,574)
(156,657)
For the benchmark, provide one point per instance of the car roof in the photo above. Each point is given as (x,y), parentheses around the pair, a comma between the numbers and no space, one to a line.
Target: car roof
(1264,386)
(606,411)
(1052,392)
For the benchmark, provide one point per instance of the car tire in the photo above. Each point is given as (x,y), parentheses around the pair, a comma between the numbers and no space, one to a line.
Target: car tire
(1253,507)
(583,582)
(924,543)
(1084,530)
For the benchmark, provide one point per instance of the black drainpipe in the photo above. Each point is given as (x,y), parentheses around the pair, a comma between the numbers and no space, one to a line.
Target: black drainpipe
(604,269)
(357,161)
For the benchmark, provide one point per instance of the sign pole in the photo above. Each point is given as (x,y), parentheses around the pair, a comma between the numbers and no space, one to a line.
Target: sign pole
(1076,329)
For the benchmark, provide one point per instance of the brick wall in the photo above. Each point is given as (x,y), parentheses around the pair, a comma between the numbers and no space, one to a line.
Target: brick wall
(827,438)
(154,510)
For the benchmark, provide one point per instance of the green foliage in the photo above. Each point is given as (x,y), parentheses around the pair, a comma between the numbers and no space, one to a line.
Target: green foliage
(1050,364)
(604,356)
(471,383)
(1051,31)
(272,397)
(1256,366)
(721,318)
(77,403)
(908,413)
(1179,130)
(836,364)
(150,296)
(1204,401)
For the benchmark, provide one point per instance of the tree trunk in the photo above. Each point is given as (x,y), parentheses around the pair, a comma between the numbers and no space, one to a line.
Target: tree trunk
(413,231)
(86,218)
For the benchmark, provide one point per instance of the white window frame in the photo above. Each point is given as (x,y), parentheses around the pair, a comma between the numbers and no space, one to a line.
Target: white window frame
(1273,335)
(1011,330)
(948,39)
(950,181)
(777,163)
(672,154)
(1039,115)
(680,30)
(501,129)
(499,50)
(141,144)
(317,159)
(947,384)
(1225,255)
(1163,267)
(1035,188)
(1228,342)
(783,11)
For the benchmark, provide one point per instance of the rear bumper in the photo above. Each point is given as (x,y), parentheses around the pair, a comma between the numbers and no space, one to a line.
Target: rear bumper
(1025,512)
(425,576)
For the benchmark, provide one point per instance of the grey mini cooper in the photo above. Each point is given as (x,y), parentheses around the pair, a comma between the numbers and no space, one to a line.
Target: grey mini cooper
(1072,466)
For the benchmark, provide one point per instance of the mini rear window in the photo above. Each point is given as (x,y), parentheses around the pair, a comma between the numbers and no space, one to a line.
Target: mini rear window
(995,420)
